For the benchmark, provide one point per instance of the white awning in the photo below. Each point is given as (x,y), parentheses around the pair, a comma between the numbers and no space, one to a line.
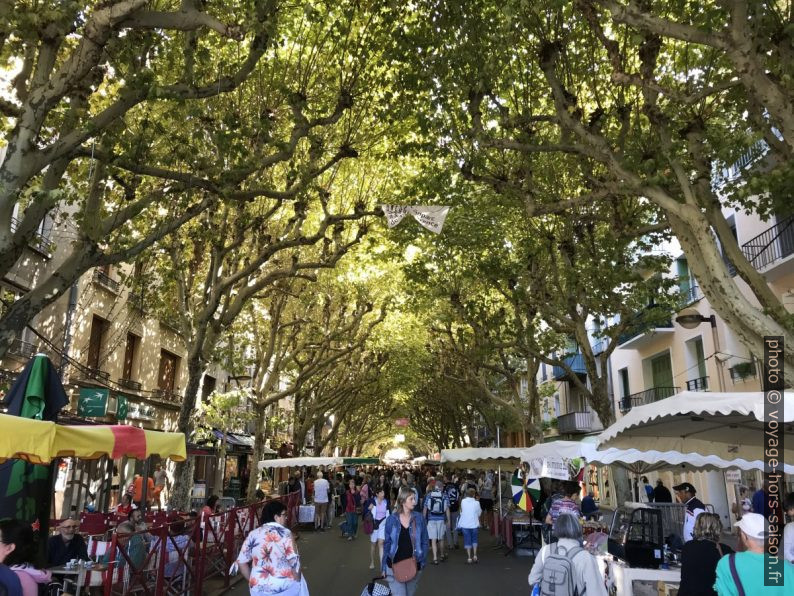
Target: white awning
(482,457)
(299,462)
(635,460)
(727,425)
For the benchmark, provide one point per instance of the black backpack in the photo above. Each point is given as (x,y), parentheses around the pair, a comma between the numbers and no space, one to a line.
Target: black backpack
(453,495)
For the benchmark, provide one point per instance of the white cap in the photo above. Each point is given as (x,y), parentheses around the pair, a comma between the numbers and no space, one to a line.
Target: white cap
(753,524)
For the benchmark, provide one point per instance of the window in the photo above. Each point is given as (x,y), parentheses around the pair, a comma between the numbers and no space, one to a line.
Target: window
(700,357)
(662,370)
(556,405)
(98,328)
(130,352)
(169,363)
(208,387)
(624,382)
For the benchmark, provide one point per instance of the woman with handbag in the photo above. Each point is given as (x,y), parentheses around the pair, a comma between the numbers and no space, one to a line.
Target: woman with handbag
(405,545)
(377,512)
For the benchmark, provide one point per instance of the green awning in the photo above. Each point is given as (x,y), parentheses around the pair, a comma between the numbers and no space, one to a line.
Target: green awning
(360,461)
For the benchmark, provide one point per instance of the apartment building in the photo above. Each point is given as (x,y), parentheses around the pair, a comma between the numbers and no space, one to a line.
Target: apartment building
(124,364)
(703,354)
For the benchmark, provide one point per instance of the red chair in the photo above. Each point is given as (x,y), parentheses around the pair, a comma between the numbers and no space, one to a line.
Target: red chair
(93,523)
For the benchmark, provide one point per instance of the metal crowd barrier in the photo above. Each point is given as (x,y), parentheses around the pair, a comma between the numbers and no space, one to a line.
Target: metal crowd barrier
(177,558)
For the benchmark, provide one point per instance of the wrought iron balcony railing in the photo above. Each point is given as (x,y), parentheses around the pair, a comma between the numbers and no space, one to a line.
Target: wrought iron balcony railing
(22,348)
(773,244)
(168,395)
(37,241)
(646,397)
(95,373)
(701,384)
(103,279)
(130,384)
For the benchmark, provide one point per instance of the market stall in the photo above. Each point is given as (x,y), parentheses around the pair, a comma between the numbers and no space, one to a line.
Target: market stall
(726,425)
(481,458)
(300,462)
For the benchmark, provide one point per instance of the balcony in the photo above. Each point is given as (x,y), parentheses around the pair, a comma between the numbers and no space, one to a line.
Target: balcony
(168,395)
(701,384)
(130,384)
(743,371)
(96,374)
(575,362)
(648,396)
(104,280)
(644,331)
(37,241)
(772,245)
(23,349)
(575,423)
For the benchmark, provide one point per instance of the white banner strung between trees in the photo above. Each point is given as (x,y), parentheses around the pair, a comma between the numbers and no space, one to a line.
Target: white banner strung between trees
(430,217)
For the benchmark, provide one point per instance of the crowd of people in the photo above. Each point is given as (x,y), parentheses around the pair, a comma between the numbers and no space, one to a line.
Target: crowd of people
(414,517)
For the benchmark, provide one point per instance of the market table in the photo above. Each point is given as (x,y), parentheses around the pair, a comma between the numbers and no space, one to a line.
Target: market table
(531,530)
(621,577)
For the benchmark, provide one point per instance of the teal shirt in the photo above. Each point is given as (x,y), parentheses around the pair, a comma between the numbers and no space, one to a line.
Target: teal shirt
(750,567)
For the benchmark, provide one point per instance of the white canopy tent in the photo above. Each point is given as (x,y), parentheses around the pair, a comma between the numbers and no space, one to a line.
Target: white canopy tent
(635,460)
(729,426)
(482,457)
(298,462)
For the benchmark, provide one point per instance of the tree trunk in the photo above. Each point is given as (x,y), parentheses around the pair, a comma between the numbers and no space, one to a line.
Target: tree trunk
(221,468)
(260,421)
(183,475)
(749,323)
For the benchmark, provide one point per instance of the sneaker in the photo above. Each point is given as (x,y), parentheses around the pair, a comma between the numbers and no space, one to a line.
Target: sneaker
(372,565)
(349,538)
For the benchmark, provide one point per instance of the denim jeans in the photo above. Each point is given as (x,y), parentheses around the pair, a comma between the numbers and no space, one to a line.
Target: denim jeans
(470,537)
(352,523)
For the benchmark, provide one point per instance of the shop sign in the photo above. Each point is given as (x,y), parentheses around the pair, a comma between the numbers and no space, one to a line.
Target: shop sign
(734,476)
(93,402)
(122,407)
(139,412)
(549,467)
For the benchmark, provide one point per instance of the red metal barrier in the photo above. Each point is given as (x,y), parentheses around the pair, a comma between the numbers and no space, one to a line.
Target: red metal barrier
(177,558)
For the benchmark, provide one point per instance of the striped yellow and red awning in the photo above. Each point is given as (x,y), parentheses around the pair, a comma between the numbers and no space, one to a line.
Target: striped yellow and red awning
(40,442)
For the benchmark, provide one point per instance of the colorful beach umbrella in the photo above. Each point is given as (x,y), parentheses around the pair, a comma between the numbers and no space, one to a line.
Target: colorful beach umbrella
(526,491)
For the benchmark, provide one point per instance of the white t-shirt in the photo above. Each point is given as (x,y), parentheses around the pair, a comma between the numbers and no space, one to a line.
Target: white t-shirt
(469,513)
(788,542)
(690,517)
(321,487)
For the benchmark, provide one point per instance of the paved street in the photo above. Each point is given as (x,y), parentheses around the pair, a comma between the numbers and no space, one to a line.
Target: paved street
(336,567)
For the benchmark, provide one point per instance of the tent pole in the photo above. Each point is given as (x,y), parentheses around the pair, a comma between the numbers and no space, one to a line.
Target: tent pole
(145,484)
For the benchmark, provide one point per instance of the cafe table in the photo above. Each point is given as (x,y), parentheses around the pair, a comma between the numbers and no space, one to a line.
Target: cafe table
(76,574)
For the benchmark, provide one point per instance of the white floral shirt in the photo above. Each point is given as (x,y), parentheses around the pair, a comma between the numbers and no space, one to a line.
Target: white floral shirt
(275,566)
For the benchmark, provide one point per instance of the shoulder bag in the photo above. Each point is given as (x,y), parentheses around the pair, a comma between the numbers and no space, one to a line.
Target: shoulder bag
(405,570)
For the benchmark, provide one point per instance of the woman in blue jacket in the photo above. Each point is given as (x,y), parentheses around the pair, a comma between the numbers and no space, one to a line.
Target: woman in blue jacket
(405,537)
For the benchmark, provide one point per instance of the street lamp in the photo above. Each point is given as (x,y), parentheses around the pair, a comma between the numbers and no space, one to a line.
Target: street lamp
(690,319)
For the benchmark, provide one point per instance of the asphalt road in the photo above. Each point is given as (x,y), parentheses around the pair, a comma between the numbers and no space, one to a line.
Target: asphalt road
(335,567)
